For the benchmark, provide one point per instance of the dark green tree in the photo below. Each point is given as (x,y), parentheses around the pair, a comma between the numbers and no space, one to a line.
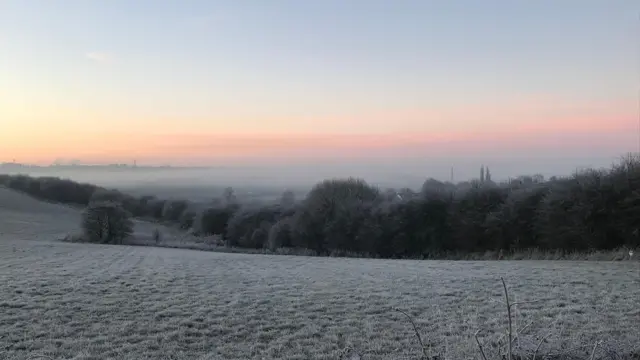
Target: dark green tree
(106,222)
(325,219)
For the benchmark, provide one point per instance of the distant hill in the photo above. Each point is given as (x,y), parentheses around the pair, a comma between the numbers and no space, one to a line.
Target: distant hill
(25,218)
(11,200)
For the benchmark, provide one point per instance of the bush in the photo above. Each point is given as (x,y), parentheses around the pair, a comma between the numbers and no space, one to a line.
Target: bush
(259,236)
(213,221)
(280,234)
(155,208)
(172,210)
(187,219)
(242,226)
(104,195)
(157,236)
(106,222)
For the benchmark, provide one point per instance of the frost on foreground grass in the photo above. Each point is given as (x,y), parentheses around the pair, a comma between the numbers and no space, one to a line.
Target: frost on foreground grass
(81,301)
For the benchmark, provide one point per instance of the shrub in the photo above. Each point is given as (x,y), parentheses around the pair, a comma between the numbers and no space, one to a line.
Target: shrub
(128,202)
(259,236)
(213,221)
(280,234)
(243,224)
(157,236)
(172,210)
(155,207)
(187,219)
(106,222)
(104,195)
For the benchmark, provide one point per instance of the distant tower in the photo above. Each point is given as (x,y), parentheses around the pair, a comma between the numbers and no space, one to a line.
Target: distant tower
(482,173)
(452,174)
(487,175)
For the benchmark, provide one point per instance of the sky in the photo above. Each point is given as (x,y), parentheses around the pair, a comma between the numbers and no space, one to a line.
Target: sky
(408,82)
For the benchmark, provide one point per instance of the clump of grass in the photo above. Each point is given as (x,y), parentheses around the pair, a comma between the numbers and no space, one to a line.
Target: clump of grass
(511,337)
(157,236)
(74,238)
(415,329)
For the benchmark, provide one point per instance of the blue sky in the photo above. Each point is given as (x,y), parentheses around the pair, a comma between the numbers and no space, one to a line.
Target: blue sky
(294,68)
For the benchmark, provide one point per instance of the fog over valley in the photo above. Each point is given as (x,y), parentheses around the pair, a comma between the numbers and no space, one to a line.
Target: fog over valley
(395,173)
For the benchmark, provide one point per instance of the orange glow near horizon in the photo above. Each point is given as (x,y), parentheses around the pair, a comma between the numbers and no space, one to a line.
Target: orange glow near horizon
(117,147)
(34,139)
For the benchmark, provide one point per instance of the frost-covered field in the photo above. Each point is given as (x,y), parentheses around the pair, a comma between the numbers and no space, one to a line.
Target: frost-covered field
(81,301)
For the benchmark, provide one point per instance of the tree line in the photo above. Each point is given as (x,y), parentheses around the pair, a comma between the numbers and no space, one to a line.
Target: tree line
(592,209)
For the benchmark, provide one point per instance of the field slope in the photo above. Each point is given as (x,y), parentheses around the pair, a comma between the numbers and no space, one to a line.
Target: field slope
(25,218)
